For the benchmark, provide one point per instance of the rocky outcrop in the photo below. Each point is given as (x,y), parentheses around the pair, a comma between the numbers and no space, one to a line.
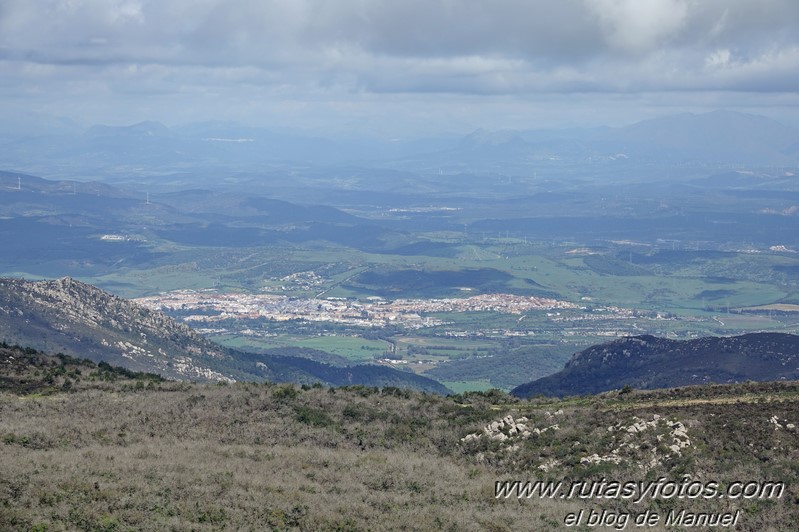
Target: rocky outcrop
(509,429)
(637,442)
(671,437)
(78,319)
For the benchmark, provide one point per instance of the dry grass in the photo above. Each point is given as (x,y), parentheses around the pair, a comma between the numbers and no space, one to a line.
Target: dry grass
(242,457)
(178,456)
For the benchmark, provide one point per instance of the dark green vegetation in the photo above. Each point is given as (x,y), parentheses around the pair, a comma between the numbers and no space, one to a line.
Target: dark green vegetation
(303,370)
(28,371)
(131,452)
(507,365)
(421,283)
(647,362)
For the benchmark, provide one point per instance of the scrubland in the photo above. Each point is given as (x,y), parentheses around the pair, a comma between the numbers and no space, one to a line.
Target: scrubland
(83,448)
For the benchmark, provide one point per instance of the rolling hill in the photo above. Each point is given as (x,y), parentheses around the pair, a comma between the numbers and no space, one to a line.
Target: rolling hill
(647,362)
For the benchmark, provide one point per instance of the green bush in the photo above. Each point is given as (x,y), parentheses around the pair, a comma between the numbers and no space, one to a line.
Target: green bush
(312,416)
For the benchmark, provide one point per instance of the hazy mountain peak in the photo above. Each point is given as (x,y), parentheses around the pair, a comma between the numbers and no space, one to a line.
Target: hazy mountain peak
(486,138)
(138,130)
(721,136)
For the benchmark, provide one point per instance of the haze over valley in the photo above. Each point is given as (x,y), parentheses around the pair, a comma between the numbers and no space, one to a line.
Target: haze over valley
(489,275)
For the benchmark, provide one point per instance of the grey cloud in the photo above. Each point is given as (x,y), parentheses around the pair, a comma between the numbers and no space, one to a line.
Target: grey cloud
(279,51)
(417,28)
(306,34)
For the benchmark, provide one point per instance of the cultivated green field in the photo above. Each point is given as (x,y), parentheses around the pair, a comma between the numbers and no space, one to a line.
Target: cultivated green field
(350,347)
(679,290)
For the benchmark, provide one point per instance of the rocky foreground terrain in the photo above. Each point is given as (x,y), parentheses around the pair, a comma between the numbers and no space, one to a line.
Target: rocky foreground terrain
(88,447)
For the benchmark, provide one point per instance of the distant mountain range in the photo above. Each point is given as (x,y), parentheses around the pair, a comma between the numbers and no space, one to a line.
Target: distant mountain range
(153,150)
(647,362)
(76,319)
(719,137)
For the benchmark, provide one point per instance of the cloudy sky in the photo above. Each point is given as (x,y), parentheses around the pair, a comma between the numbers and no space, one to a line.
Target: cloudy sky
(397,67)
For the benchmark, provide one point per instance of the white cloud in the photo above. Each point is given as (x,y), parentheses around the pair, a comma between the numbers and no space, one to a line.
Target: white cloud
(718,59)
(639,25)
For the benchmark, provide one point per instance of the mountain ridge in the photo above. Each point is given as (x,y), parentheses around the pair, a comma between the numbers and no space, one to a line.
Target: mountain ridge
(84,321)
(717,137)
(80,320)
(649,362)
